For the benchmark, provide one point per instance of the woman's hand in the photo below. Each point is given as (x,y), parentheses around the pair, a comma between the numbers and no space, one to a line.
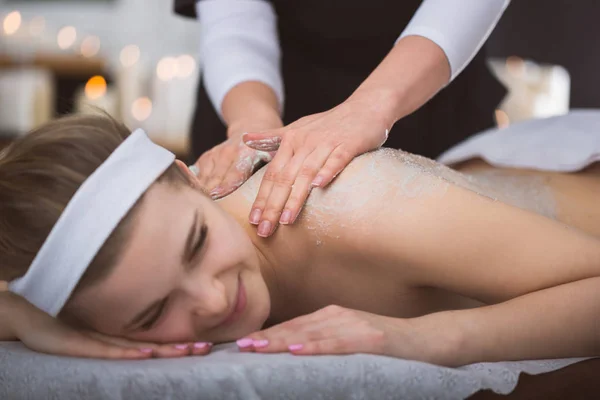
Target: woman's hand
(338,330)
(228,165)
(40,332)
(310,153)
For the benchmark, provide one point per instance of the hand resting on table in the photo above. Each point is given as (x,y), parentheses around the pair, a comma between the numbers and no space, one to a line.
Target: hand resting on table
(42,333)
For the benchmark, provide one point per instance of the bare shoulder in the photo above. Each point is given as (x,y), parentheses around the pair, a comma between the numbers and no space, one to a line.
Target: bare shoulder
(374,187)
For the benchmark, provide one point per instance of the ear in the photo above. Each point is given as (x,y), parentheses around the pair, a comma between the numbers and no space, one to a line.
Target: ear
(193,179)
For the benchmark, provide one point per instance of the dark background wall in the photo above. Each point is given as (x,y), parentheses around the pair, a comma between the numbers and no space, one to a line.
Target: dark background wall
(564,32)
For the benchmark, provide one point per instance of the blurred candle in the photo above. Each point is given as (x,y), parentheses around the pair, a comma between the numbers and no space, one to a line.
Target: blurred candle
(96,94)
(130,80)
(66,37)
(12,23)
(90,46)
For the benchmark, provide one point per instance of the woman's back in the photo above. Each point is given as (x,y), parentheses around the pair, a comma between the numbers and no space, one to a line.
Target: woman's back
(566,197)
(328,241)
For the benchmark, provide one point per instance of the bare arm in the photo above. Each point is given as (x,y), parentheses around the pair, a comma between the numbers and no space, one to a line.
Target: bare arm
(559,322)
(250,105)
(542,277)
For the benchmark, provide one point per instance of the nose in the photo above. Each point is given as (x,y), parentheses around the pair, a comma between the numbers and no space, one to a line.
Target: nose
(208,300)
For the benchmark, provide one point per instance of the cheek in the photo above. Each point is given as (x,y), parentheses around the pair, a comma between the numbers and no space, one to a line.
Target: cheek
(230,245)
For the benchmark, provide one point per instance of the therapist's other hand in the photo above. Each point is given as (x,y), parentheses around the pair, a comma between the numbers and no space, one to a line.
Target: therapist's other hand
(310,153)
(228,165)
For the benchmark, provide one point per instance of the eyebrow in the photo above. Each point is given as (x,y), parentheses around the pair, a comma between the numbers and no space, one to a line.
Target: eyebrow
(188,251)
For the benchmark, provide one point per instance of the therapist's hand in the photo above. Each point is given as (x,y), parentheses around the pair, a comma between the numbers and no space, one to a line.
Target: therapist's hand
(310,153)
(225,167)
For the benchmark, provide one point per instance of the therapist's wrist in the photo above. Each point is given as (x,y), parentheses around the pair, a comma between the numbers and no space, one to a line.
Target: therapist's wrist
(411,74)
(380,104)
(250,103)
(256,123)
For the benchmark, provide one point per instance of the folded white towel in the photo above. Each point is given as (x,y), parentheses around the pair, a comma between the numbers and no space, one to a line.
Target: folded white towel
(566,143)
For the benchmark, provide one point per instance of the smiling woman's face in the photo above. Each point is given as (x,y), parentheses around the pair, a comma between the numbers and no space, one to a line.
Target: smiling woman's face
(188,273)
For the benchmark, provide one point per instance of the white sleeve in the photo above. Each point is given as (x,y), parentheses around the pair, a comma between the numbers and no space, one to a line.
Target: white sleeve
(459,27)
(238,43)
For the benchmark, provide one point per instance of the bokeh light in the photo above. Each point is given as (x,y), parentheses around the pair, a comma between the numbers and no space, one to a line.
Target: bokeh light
(66,37)
(166,68)
(12,23)
(186,66)
(90,46)
(95,87)
(141,109)
(130,55)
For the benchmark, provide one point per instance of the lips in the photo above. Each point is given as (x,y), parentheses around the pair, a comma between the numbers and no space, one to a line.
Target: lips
(239,305)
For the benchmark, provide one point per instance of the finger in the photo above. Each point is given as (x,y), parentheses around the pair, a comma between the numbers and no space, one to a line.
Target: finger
(278,163)
(263,141)
(339,345)
(205,165)
(158,350)
(172,350)
(118,340)
(337,161)
(311,334)
(280,192)
(237,174)
(319,320)
(201,348)
(303,184)
(80,345)
(222,162)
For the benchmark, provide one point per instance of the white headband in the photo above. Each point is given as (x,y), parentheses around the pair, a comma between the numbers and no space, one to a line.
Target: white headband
(89,218)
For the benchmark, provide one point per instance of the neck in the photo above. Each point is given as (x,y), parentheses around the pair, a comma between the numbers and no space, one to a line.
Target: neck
(238,207)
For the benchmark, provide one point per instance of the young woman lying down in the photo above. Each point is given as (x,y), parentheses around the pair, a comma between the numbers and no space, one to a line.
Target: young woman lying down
(110,249)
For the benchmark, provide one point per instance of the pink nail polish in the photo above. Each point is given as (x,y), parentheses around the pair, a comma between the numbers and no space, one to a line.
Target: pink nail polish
(264,229)
(146,350)
(181,346)
(201,345)
(295,347)
(245,342)
(260,343)
(286,217)
(318,181)
(255,216)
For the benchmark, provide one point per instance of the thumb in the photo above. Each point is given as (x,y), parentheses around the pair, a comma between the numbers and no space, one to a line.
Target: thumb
(266,141)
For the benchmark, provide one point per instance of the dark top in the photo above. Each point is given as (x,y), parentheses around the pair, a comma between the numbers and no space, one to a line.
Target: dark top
(329,47)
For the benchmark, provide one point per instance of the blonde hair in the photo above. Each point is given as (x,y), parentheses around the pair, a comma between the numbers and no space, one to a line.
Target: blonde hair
(40,172)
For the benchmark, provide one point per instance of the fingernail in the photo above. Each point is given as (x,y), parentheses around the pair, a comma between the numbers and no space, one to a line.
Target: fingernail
(264,228)
(255,216)
(181,346)
(216,191)
(146,350)
(295,347)
(201,345)
(245,342)
(318,181)
(286,217)
(260,343)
